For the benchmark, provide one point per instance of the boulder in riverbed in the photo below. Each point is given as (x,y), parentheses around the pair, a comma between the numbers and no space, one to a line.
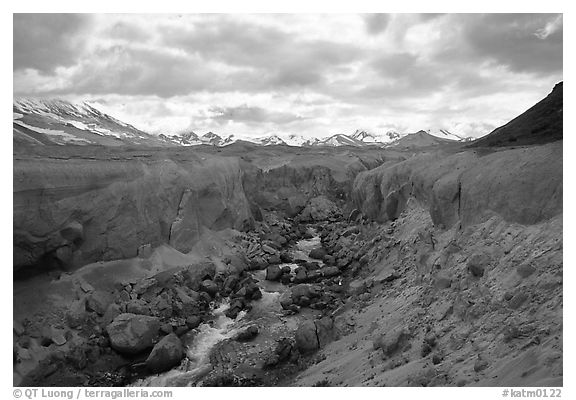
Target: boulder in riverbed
(285,257)
(196,273)
(247,334)
(208,286)
(273,273)
(167,353)
(132,334)
(193,321)
(301,275)
(286,300)
(318,253)
(303,290)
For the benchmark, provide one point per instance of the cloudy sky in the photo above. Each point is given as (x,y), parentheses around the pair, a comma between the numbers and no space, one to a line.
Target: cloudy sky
(308,74)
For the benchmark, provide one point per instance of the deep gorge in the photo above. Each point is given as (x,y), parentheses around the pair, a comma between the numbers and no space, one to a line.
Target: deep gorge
(201,228)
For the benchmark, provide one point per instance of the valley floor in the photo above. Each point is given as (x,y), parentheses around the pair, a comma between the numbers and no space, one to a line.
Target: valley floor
(410,305)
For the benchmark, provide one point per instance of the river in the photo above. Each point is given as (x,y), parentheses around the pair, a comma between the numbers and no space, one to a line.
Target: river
(267,310)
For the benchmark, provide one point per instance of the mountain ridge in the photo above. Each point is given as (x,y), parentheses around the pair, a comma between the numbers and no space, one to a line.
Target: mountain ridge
(55,121)
(540,124)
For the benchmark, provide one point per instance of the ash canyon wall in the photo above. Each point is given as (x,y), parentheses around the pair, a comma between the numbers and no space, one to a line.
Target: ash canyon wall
(449,256)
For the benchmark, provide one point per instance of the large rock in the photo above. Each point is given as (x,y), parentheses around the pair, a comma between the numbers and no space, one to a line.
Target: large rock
(132,334)
(392,341)
(198,272)
(306,337)
(273,273)
(320,209)
(311,335)
(286,300)
(209,287)
(302,291)
(330,271)
(318,253)
(167,353)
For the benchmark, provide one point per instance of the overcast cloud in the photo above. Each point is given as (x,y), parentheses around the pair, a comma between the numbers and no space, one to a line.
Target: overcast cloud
(314,75)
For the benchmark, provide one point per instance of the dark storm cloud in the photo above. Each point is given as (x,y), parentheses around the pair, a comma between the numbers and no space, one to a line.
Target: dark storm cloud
(155,71)
(132,71)
(281,58)
(376,23)
(512,40)
(248,114)
(46,41)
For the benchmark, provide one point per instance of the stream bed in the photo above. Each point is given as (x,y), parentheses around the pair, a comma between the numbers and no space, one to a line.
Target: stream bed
(266,313)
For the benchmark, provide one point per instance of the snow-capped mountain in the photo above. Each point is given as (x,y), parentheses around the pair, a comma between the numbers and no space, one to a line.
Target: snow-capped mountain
(269,140)
(193,139)
(294,140)
(340,140)
(211,138)
(183,139)
(372,138)
(49,122)
(445,134)
(358,138)
(61,122)
(366,138)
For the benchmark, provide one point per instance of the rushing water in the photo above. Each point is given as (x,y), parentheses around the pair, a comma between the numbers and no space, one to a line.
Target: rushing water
(196,364)
(197,361)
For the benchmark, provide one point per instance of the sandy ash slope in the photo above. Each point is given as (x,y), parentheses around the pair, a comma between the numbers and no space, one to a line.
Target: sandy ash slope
(428,264)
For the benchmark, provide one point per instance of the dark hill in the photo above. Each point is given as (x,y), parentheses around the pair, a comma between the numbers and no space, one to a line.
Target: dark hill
(538,125)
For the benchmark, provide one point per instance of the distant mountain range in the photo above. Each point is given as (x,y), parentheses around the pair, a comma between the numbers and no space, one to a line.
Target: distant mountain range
(193,139)
(60,122)
(359,138)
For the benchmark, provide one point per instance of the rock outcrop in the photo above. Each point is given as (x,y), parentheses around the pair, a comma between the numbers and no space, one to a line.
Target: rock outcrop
(522,185)
(69,212)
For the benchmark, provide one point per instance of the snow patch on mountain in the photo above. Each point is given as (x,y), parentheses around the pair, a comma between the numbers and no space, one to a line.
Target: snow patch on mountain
(59,136)
(446,134)
(80,123)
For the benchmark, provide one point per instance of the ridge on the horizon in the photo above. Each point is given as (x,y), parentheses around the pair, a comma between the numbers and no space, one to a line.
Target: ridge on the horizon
(62,118)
